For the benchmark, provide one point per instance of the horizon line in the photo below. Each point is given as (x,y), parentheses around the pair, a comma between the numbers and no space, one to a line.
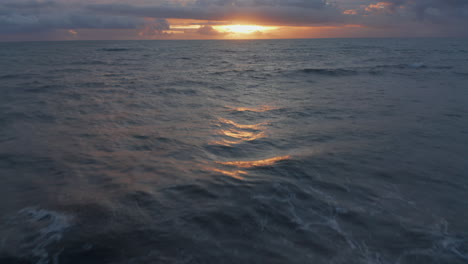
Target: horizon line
(245,39)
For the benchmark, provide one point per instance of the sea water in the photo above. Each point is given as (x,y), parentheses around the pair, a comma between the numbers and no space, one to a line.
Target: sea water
(249,151)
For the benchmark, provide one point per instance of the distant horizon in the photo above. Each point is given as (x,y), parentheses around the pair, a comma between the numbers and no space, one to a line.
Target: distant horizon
(252,39)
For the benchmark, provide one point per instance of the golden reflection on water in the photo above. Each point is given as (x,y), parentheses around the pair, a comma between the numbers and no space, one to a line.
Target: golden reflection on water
(253,126)
(237,174)
(239,132)
(255,163)
(242,133)
(225,142)
(262,108)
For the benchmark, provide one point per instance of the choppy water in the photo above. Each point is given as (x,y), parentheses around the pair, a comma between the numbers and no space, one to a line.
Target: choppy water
(291,151)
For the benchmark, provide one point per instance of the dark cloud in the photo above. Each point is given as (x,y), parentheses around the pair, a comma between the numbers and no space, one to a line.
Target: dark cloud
(28,4)
(268,11)
(155,29)
(422,9)
(436,16)
(40,16)
(209,31)
(441,9)
(21,23)
(315,4)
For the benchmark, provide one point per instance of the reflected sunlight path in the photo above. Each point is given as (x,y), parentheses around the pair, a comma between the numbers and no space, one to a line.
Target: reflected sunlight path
(241,133)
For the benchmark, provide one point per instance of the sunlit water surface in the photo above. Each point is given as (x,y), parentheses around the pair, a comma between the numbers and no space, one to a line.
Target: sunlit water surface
(291,151)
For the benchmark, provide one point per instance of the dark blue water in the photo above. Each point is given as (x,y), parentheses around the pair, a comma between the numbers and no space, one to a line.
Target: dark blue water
(291,151)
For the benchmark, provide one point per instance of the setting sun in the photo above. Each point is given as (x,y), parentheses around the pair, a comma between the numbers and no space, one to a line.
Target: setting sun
(243,29)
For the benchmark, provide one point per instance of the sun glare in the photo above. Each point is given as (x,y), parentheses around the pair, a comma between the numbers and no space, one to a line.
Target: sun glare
(243,29)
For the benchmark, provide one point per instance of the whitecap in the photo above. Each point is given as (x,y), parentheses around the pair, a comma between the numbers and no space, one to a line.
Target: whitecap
(36,231)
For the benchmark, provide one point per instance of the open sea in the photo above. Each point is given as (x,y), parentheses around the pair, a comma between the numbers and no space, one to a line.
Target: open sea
(342,151)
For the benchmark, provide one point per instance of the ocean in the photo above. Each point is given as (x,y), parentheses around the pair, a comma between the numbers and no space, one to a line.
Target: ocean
(248,151)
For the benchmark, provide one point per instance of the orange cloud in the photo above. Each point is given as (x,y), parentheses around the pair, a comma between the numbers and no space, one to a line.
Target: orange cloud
(350,12)
(379,7)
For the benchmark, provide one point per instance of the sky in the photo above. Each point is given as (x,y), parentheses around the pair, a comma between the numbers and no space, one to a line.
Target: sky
(22,20)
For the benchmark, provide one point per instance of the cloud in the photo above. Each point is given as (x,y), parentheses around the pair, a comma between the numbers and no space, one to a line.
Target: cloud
(208,31)
(315,4)
(156,29)
(292,12)
(380,7)
(423,9)
(350,12)
(29,4)
(40,16)
(151,16)
(21,23)
(446,9)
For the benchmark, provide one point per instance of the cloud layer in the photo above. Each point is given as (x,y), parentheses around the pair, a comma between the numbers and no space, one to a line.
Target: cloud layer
(435,17)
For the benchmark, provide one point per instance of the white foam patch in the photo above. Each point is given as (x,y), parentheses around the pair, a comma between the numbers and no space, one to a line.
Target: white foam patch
(48,228)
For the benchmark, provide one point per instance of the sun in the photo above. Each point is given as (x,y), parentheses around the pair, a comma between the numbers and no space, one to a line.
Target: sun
(243,29)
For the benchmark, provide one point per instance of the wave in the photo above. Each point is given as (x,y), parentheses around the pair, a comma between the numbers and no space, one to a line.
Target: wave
(43,88)
(461,73)
(69,70)
(329,72)
(114,49)
(17,76)
(89,62)
(416,65)
(401,66)
(372,69)
(233,72)
(177,91)
(10,76)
